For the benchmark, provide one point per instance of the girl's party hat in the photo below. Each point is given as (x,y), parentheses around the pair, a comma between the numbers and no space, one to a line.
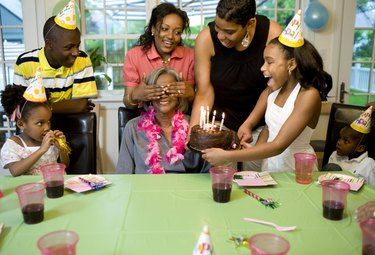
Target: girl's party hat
(67,16)
(363,123)
(35,92)
(204,246)
(292,35)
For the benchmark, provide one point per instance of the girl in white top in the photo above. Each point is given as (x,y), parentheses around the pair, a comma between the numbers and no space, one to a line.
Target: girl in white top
(291,104)
(36,145)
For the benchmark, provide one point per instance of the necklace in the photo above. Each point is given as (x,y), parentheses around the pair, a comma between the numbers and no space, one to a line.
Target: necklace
(166,61)
(152,130)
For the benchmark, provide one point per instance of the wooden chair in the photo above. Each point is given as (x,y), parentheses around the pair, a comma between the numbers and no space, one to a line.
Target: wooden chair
(81,133)
(340,116)
(124,115)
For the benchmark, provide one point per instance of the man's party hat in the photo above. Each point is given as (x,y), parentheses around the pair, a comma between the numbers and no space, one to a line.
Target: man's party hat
(363,123)
(67,16)
(292,35)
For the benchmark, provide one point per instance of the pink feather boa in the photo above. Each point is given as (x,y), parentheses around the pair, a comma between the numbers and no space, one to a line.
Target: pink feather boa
(179,134)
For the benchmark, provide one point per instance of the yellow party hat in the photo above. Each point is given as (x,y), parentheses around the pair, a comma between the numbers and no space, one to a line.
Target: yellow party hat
(35,92)
(67,16)
(292,35)
(363,123)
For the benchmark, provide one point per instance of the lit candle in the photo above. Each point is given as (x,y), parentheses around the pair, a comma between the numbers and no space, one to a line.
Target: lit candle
(200,118)
(213,120)
(207,114)
(204,119)
(222,121)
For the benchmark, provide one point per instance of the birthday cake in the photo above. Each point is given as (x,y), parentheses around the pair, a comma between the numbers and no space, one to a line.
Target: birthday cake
(201,139)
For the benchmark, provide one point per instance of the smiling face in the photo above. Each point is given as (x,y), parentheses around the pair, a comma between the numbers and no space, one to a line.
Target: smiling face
(36,124)
(166,104)
(276,66)
(230,34)
(167,35)
(62,48)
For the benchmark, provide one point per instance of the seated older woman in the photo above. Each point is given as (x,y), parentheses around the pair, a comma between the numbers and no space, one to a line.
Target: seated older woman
(154,143)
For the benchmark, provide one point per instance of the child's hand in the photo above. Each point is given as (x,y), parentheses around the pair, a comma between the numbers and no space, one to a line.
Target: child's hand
(60,134)
(214,156)
(47,141)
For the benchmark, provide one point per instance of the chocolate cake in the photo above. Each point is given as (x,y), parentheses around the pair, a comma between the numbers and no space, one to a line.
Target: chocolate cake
(203,139)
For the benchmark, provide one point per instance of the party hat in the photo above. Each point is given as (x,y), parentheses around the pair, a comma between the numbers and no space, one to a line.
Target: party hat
(292,35)
(67,16)
(204,246)
(363,123)
(35,92)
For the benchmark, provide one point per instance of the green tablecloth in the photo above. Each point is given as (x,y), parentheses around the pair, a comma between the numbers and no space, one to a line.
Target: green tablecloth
(164,214)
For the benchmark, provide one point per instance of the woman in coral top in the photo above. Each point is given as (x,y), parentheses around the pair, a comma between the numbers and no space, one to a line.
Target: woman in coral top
(160,45)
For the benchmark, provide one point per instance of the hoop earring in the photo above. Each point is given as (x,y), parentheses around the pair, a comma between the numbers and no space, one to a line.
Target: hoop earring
(246,40)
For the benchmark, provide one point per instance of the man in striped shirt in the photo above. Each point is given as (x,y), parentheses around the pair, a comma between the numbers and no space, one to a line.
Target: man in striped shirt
(66,71)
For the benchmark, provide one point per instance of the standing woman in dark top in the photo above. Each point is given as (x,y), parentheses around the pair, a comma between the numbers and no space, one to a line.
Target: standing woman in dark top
(228,57)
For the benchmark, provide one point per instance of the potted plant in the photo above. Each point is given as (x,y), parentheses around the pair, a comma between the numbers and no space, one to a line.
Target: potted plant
(102,80)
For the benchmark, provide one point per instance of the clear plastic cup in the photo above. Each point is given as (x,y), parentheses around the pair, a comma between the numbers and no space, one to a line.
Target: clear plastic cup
(365,212)
(268,244)
(31,199)
(304,164)
(61,242)
(53,175)
(334,198)
(368,237)
(222,178)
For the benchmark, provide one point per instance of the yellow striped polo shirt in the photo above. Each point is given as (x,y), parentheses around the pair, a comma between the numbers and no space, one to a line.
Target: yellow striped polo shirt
(64,83)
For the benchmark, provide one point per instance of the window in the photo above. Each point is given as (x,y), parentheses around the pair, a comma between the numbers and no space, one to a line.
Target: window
(362,80)
(12,44)
(114,26)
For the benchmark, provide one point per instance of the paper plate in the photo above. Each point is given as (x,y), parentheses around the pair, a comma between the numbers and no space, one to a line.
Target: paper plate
(354,182)
(82,183)
(252,178)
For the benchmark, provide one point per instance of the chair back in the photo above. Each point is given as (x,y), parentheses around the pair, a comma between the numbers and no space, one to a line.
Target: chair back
(80,131)
(124,115)
(340,116)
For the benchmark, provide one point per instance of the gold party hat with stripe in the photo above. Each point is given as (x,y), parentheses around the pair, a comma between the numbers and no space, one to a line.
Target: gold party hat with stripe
(363,123)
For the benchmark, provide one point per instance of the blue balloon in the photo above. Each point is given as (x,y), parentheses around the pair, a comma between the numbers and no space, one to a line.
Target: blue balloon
(316,15)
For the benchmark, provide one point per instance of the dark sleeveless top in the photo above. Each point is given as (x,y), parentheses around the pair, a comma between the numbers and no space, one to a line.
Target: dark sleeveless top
(236,76)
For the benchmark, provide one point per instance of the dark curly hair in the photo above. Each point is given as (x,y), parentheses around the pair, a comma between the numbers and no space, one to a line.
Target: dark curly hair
(309,71)
(157,16)
(12,96)
(236,11)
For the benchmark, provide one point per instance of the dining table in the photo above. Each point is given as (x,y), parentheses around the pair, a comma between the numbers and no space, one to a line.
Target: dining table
(165,214)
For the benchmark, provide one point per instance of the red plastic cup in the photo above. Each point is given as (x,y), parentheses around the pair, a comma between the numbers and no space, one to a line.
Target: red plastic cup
(368,237)
(53,175)
(268,244)
(304,164)
(31,199)
(222,178)
(62,242)
(334,199)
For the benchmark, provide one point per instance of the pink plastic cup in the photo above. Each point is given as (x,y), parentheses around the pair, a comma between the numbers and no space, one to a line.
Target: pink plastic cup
(304,164)
(334,199)
(222,178)
(368,237)
(31,199)
(268,244)
(53,175)
(62,242)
